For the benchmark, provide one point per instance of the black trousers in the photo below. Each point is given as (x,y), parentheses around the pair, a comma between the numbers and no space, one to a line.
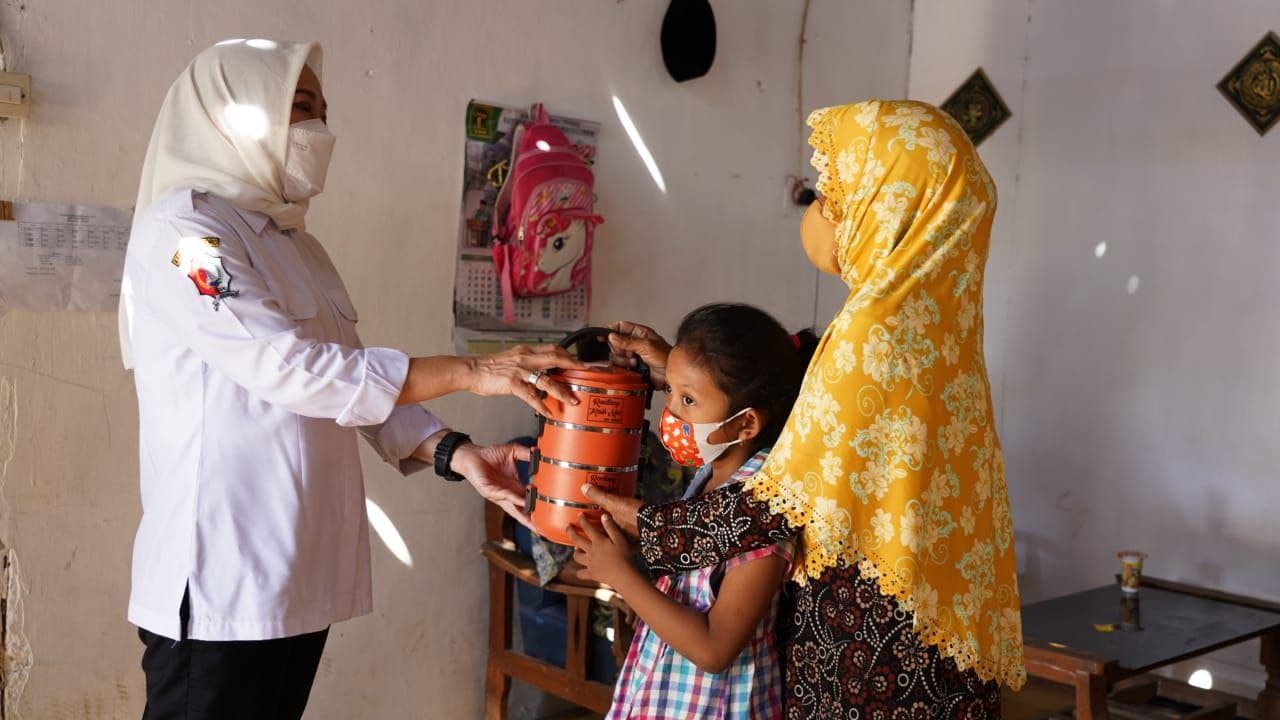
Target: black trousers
(233,680)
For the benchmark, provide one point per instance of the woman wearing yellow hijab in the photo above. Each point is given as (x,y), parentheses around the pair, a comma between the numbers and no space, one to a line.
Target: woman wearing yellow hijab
(905,599)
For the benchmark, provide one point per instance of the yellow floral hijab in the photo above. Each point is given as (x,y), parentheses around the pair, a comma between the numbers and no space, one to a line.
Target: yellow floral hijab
(890,458)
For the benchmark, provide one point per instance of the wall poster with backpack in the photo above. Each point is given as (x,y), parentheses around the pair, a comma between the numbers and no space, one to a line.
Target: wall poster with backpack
(533,282)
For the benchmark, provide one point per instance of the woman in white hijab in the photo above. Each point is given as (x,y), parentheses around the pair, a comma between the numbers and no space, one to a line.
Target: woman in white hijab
(252,389)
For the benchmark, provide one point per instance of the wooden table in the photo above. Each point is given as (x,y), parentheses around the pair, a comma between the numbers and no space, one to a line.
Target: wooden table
(1177,622)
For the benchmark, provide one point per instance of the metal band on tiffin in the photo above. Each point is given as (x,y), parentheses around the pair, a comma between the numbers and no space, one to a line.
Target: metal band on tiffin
(592,428)
(587,468)
(566,503)
(592,390)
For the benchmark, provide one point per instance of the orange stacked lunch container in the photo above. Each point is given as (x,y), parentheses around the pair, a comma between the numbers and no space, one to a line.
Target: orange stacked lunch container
(595,442)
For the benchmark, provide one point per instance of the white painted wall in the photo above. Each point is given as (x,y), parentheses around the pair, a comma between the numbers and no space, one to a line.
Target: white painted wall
(398,75)
(1129,420)
(853,51)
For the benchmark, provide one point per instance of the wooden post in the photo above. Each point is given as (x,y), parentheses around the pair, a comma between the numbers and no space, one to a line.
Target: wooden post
(497,682)
(4,605)
(623,630)
(1269,698)
(579,617)
(501,590)
(1091,697)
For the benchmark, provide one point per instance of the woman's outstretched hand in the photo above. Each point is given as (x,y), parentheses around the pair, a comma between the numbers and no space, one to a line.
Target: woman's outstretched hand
(491,470)
(521,371)
(631,341)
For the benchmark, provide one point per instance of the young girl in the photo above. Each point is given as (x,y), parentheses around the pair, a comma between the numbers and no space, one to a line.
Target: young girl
(704,646)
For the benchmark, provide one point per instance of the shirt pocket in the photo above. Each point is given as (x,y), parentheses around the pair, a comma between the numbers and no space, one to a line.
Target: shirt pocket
(285,274)
(336,291)
(327,277)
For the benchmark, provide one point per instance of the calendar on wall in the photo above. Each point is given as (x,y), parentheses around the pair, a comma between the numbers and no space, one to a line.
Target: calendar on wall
(61,256)
(477,299)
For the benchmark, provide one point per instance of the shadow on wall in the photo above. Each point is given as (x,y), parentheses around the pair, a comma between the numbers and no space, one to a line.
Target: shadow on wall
(1032,549)
(1202,546)
(1196,545)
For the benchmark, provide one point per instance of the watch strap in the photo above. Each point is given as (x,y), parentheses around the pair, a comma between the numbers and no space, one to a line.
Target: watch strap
(445,450)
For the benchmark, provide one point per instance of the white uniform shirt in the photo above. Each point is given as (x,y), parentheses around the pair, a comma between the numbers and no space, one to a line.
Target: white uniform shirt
(252,384)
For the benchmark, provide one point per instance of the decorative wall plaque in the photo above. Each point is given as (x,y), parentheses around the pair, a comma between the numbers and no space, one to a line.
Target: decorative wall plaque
(977,107)
(1253,85)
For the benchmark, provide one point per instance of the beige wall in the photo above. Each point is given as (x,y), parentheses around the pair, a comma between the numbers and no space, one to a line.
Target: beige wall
(398,76)
(1129,420)
(1148,419)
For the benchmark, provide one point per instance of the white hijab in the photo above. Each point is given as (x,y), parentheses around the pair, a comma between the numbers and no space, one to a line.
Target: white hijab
(223,129)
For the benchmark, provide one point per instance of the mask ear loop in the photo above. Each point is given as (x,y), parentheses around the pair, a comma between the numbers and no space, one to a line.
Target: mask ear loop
(734,416)
(719,427)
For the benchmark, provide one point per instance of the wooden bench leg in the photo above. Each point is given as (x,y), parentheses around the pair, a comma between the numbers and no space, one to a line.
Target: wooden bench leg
(497,682)
(1091,697)
(497,691)
(1269,698)
(579,640)
(623,630)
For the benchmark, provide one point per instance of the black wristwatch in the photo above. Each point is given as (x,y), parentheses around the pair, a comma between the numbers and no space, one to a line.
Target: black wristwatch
(448,445)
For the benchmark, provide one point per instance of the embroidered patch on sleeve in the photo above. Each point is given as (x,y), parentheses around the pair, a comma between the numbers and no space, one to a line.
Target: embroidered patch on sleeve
(199,260)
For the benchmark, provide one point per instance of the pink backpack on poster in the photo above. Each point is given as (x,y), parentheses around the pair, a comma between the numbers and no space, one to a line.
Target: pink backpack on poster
(544,220)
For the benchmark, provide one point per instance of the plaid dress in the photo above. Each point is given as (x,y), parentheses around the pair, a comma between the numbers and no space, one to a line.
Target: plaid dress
(658,683)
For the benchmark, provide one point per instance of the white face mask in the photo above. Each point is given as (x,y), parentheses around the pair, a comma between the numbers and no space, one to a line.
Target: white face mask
(306,160)
(702,432)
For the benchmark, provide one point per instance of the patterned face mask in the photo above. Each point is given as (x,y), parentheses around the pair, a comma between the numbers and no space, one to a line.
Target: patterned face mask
(687,442)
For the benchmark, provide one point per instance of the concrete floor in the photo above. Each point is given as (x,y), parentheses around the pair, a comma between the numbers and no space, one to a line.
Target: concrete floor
(1039,699)
(529,703)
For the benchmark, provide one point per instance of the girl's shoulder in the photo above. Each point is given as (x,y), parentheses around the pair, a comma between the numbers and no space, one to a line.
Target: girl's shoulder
(785,550)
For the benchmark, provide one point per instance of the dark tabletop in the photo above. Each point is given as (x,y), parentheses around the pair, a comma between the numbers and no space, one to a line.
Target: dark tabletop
(1174,625)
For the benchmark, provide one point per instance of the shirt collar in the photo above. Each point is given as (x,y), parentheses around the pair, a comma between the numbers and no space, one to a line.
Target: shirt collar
(752,466)
(255,220)
(749,468)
